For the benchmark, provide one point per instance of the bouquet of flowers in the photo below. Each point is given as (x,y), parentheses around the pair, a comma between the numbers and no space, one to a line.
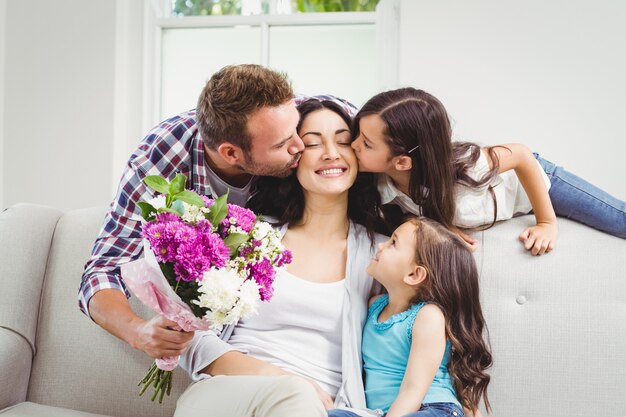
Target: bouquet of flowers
(206,264)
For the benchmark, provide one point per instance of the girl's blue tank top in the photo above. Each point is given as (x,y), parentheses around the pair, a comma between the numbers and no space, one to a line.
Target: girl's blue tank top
(386,348)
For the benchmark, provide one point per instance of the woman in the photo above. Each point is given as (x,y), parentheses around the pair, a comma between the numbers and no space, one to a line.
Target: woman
(301,354)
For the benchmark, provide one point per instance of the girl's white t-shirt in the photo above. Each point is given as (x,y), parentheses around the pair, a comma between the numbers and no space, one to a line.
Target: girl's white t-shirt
(474,206)
(299,330)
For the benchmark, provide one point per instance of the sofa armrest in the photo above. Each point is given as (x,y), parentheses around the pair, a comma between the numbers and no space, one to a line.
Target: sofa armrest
(16,359)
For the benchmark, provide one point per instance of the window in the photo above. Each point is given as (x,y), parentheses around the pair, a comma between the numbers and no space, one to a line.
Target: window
(322,53)
(182,8)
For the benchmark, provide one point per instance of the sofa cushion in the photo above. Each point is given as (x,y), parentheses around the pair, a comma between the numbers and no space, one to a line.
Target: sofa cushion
(29,409)
(557,322)
(26,231)
(79,365)
(15,362)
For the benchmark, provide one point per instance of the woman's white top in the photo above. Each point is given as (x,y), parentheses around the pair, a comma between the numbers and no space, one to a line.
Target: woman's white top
(474,206)
(299,330)
(357,288)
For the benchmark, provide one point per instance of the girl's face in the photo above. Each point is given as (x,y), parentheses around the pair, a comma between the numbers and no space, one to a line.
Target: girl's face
(395,258)
(370,146)
(328,164)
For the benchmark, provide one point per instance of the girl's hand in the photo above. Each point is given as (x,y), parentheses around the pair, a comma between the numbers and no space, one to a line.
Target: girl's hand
(472,244)
(540,238)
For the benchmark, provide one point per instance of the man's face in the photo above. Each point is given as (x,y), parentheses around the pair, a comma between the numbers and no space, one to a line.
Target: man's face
(276,146)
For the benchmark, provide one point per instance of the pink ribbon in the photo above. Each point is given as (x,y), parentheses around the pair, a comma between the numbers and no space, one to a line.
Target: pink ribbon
(146,281)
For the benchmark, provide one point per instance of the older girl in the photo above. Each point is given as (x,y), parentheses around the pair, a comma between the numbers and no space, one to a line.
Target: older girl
(405,134)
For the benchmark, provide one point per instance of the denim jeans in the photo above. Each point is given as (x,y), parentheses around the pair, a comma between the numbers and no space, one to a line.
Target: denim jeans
(576,199)
(426,410)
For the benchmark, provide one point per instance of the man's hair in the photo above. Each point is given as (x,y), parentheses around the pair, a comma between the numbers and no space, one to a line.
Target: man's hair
(231,96)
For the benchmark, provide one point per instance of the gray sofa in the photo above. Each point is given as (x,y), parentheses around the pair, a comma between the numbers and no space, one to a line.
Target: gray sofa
(557,324)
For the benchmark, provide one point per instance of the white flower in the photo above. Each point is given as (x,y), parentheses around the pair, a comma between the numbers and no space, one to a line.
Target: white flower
(219,289)
(157,202)
(193,214)
(227,296)
(261,229)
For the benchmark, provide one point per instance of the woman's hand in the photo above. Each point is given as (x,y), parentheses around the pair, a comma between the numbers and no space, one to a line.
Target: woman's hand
(325,397)
(541,238)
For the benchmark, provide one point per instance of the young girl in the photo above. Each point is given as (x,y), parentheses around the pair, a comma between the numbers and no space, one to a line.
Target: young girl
(406,135)
(423,348)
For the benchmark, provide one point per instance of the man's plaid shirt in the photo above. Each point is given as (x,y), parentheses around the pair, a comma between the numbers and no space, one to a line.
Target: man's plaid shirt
(174,146)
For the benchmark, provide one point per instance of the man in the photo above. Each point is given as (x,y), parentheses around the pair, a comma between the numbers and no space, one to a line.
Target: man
(244,125)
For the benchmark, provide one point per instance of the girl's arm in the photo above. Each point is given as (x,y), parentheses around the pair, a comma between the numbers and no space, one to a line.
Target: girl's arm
(541,238)
(427,348)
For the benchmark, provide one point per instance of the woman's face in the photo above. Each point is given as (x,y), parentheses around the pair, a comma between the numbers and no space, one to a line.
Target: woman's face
(328,164)
(370,146)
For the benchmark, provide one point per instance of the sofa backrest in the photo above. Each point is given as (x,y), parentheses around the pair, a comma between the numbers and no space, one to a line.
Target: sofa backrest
(26,232)
(557,322)
(78,365)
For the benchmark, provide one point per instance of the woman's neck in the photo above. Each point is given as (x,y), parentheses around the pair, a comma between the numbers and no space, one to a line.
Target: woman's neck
(401,180)
(325,216)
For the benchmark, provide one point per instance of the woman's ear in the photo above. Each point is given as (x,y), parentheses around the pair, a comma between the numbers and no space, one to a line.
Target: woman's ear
(402,163)
(417,275)
(231,154)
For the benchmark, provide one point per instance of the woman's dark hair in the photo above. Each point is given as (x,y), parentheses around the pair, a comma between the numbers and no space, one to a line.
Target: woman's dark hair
(283,198)
(452,283)
(417,125)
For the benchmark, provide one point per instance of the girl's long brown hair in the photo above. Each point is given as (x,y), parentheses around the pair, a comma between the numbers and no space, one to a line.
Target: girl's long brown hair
(453,284)
(417,125)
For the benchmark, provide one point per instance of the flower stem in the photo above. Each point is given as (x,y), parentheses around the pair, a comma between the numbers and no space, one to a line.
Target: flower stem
(160,380)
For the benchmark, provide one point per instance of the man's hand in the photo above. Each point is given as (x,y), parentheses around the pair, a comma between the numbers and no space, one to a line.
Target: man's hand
(157,340)
(540,238)
(110,309)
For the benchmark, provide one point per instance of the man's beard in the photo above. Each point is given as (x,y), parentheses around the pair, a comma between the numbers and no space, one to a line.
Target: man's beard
(256,168)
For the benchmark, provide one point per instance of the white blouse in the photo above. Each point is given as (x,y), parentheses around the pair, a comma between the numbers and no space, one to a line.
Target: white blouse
(474,206)
(303,341)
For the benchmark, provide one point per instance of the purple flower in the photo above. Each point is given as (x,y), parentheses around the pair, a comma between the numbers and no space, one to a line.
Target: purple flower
(214,249)
(244,218)
(160,240)
(284,258)
(208,202)
(245,251)
(263,273)
(168,218)
(190,263)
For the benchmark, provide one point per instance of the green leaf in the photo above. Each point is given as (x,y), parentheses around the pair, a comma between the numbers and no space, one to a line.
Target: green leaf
(218,210)
(234,240)
(157,183)
(147,210)
(178,208)
(169,210)
(190,197)
(178,184)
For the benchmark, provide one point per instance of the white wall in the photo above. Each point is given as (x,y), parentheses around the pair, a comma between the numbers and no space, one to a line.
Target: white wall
(3,4)
(72,99)
(546,73)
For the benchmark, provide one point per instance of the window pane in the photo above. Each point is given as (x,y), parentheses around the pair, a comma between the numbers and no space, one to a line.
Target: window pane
(329,59)
(191,56)
(249,7)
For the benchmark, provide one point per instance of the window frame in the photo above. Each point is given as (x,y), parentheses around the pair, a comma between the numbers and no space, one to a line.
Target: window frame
(157,18)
